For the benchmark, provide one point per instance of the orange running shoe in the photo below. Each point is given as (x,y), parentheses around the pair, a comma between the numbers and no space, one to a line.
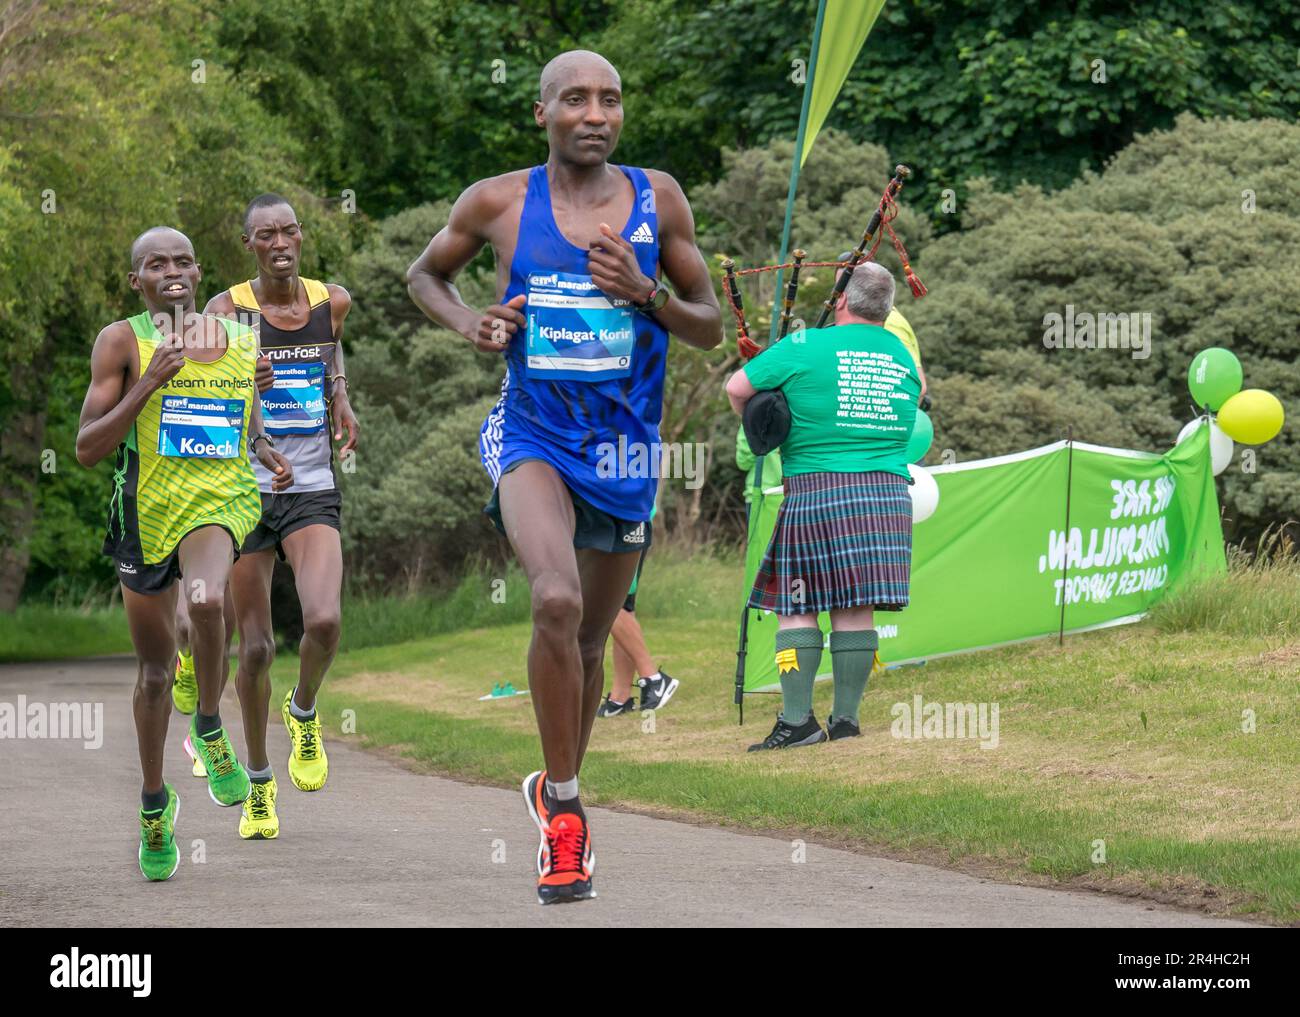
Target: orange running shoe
(565,859)
(535,798)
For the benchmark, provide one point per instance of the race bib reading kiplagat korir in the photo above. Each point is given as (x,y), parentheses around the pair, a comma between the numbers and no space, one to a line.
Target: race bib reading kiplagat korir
(575,332)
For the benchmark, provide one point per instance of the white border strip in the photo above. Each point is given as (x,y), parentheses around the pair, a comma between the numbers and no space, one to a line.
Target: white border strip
(1013,457)
(1034,453)
(1125,453)
(1127,619)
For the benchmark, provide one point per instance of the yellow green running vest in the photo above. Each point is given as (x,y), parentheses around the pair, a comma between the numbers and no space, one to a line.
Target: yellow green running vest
(184,463)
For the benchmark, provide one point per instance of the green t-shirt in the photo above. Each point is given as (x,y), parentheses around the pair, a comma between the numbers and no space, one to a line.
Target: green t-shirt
(852,391)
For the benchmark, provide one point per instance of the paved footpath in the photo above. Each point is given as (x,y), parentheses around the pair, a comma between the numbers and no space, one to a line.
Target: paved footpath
(380,845)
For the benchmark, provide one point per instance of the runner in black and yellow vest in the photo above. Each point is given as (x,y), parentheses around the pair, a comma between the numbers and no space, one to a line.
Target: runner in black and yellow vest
(172,391)
(304,399)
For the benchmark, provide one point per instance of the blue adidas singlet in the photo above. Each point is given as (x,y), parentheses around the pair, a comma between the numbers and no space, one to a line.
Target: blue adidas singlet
(584,382)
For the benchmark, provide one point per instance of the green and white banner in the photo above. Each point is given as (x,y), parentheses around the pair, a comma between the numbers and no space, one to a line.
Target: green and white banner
(999,561)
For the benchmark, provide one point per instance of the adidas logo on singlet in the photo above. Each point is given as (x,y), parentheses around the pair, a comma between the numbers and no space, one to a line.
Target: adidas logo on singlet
(642,234)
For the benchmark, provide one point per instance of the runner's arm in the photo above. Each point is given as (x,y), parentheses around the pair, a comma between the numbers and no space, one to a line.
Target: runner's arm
(340,305)
(429,280)
(276,463)
(341,416)
(692,312)
(222,306)
(110,408)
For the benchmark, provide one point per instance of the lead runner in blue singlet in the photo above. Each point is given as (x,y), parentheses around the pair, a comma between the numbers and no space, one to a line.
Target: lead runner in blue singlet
(583,320)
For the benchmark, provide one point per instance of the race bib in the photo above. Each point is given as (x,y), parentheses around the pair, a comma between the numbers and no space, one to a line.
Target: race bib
(296,403)
(196,428)
(574,332)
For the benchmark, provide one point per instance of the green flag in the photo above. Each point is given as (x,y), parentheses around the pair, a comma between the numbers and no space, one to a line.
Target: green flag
(844,29)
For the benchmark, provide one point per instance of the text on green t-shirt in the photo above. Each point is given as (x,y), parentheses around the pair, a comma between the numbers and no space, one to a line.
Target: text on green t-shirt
(852,391)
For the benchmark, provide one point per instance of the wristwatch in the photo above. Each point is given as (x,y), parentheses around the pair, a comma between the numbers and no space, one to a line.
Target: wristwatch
(656,300)
(252,445)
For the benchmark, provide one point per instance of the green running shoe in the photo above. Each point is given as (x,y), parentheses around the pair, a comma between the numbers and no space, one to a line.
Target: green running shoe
(159,855)
(228,782)
(185,686)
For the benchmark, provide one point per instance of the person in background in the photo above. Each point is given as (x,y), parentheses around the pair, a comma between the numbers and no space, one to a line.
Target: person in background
(632,659)
(901,327)
(843,536)
(745,460)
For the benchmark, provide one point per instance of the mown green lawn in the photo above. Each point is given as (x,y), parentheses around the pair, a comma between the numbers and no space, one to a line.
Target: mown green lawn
(1125,761)
(40,632)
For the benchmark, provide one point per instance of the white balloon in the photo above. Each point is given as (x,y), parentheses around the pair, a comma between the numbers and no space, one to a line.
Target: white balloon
(1221,447)
(925,493)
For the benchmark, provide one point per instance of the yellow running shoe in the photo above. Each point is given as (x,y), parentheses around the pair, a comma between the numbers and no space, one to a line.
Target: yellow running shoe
(259,821)
(185,686)
(198,769)
(308,766)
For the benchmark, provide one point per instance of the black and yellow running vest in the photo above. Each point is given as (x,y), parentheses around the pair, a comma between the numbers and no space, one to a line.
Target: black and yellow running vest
(295,412)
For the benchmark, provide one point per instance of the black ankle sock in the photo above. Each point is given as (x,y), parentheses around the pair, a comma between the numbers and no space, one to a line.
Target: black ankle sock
(153,801)
(556,807)
(206,726)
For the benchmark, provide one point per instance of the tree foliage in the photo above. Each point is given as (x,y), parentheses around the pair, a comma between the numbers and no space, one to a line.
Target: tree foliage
(106,128)
(1197,227)
(118,116)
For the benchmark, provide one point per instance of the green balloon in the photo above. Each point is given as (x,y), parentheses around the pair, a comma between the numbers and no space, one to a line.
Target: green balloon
(922,437)
(1214,377)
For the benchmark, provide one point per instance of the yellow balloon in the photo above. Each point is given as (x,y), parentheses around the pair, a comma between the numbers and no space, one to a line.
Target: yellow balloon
(1251,417)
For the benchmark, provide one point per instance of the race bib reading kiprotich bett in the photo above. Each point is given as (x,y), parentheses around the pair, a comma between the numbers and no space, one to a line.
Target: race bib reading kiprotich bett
(190,428)
(296,403)
(574,332)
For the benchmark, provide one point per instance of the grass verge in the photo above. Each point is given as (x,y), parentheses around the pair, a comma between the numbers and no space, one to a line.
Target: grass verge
(46,632)
(1158,760)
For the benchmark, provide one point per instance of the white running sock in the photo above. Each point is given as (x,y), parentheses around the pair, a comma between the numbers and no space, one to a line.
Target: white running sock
(564,791)
(297,710)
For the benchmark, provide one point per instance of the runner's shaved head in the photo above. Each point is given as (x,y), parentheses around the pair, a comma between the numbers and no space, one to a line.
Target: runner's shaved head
(141,243)
(569,65)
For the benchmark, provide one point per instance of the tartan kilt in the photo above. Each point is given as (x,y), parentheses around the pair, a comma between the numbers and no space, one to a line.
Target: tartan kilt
(846,536)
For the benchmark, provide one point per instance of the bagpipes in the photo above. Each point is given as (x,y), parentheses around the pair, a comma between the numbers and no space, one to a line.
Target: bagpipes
(886,211)
(766,419)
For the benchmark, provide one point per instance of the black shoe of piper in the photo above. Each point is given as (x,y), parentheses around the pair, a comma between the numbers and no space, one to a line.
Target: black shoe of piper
(609,708)
(842,728)
(788,736)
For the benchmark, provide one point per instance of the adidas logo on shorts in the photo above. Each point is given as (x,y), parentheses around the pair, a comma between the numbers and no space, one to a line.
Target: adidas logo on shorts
(642,234)
(636,536)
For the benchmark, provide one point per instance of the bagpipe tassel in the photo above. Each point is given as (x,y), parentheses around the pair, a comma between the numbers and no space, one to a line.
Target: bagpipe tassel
(918,287)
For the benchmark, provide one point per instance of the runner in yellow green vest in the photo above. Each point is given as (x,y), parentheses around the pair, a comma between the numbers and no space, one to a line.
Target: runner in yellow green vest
(172,393)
